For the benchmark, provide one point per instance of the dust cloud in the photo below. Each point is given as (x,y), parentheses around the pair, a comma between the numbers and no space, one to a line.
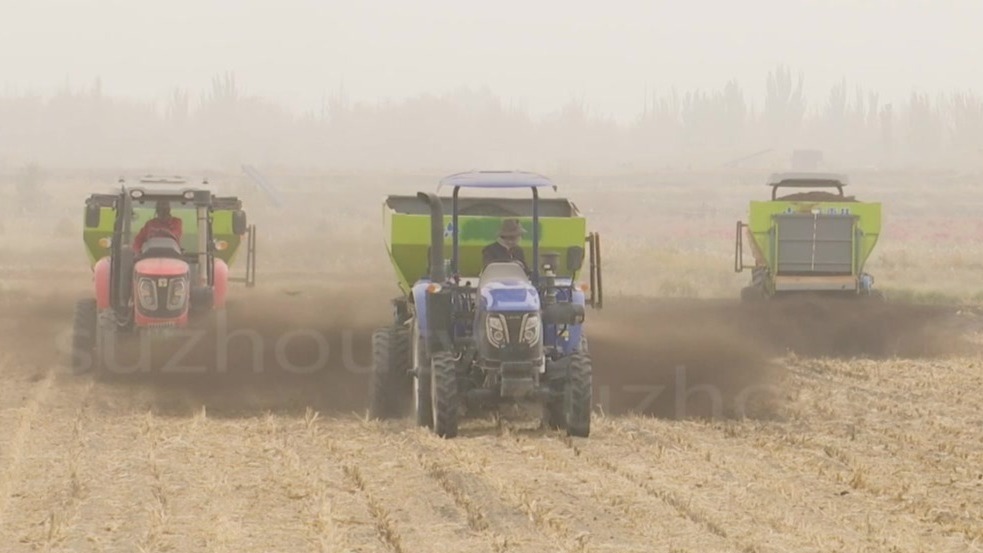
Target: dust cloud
(284,352)
(721,358)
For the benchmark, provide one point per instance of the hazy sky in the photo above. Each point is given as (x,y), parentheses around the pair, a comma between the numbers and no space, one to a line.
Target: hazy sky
(540,53)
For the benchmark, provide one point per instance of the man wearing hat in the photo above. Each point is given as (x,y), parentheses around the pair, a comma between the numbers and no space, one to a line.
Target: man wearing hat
(506,248)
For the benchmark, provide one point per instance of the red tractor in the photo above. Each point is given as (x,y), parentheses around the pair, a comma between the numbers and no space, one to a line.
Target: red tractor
(151,282)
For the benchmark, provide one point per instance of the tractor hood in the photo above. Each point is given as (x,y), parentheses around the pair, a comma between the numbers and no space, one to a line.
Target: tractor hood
(509,332)
(161,291)
(509,296)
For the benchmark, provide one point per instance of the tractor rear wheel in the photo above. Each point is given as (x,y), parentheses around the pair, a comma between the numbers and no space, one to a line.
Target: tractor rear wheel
(84,336)
(578,400)
(445,395)
(752,293)
(390,373)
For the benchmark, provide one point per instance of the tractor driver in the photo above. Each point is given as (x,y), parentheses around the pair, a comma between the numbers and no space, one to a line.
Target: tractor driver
(162,221)
(506,248)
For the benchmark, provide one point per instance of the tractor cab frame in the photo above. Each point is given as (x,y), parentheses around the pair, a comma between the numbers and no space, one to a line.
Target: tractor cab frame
(483,336)
(174,277)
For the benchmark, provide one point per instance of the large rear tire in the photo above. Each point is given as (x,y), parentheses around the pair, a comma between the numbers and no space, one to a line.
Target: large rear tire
(444,394)
(84,337)
(390,373)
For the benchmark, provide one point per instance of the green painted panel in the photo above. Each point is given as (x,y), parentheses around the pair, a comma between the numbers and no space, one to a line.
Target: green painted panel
(407,238)
(868,215)
(96,239)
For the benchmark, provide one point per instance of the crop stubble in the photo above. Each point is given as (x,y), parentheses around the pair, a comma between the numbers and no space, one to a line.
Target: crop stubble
(826,453)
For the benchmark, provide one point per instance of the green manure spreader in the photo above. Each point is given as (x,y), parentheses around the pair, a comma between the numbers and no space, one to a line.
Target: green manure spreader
(471,333)
(814,240)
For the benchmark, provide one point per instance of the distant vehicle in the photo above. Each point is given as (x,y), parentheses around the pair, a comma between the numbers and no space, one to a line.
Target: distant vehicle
(172,279)
(813,241)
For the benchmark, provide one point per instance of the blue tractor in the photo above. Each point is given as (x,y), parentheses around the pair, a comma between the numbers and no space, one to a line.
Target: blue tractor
(466,336)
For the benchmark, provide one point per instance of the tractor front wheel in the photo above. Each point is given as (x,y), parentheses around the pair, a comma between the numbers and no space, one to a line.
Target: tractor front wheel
(84,336)
(556,408)
(390,372)
(444,394)
(579,395)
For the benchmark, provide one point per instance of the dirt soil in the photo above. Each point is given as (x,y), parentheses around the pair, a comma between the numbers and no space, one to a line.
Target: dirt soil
(794,426)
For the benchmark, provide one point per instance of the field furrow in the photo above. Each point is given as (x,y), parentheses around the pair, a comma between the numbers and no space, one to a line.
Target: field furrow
(652,472)
(852,455)
(121,508)
(52,482)
(24,403)
(579,508)
(889,511)
(778,490)
(502,526)
(912,388)
(412,507)
(925,468)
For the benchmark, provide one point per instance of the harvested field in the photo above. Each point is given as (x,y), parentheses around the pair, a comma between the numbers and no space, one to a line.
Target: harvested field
(793,426)
(826,454)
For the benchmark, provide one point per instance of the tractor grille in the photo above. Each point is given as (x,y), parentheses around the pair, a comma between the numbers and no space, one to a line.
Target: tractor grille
(514,323)
(161,326)
(814,243)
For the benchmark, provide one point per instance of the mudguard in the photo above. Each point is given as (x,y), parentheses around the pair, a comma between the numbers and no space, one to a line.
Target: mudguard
(101,277)
(419,292)
(221,286)
(574,332)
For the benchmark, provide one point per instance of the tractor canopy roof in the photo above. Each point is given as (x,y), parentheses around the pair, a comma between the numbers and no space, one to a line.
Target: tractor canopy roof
(186,196)
(496,179)
(173,189)
(808,180)
(136,204)
(154,179)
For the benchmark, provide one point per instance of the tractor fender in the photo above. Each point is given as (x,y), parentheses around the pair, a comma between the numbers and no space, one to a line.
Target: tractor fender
(419,292)
(579,297)
(100,275)
(221,283)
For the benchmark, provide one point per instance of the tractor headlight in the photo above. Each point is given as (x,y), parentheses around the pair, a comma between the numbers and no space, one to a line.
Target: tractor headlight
(531,329)
(178,293)
(496,330)
(147,294)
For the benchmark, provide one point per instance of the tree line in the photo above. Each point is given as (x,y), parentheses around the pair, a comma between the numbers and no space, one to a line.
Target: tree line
(223,127)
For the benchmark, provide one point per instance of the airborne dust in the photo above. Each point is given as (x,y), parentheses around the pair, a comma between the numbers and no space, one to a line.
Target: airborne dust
(286,352)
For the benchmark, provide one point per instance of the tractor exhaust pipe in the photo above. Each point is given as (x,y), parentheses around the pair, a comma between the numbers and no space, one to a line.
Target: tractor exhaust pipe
(436,235)
(202,246)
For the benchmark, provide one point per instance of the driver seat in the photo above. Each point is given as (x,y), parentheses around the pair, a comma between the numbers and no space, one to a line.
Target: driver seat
(503,271)
(161,247)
